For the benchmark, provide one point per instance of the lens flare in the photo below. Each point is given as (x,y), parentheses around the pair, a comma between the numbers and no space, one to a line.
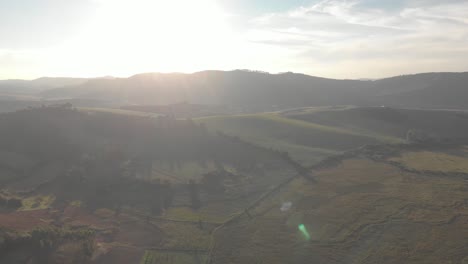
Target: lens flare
(304,231)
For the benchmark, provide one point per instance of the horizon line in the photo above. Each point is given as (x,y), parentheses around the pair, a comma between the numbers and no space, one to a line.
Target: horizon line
(244,70)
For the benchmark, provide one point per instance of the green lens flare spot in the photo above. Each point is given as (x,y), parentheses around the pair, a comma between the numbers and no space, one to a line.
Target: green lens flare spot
(304,231)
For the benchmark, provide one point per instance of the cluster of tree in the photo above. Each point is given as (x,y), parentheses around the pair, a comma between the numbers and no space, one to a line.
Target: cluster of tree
(109,181)
(213,182)
(194,192)
(47,240)
(37,133)
(10,203)
(107,153)
(41,245)
(65,134)
(420,136)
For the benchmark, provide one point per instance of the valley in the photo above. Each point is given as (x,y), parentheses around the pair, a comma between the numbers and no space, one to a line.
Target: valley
(143,190)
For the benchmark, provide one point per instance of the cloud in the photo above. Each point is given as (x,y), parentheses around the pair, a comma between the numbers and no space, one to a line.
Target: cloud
(330,38)
(429,35)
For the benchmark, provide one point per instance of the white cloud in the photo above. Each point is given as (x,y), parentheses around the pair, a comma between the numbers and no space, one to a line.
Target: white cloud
(330,37)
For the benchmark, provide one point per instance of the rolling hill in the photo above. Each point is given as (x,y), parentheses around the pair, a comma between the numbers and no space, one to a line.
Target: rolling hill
(306,142)
(311,134)
(387,121)
(243,89)
(38,85)
(169,168)
(100,185)
(259,91)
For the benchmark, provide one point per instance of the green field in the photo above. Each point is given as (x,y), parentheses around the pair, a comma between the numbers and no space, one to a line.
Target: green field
(306,142)
(116,111)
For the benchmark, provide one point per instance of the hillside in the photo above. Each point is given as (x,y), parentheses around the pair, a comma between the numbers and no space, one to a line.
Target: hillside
(242,89)
(120,181)
(258,91)
(99,185)
(311,134)
(359,209)
(306,142)
(391,122)
(37,85)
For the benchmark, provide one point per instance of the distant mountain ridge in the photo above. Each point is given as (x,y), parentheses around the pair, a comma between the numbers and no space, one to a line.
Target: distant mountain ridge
(39,84)
(254,91)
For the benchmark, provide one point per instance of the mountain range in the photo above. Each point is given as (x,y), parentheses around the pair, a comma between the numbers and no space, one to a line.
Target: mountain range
(253,91)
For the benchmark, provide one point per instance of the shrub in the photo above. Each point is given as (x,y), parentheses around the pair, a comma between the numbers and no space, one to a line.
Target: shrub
(14,203)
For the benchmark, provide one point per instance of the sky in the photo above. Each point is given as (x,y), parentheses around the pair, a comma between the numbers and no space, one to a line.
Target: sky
(329,38)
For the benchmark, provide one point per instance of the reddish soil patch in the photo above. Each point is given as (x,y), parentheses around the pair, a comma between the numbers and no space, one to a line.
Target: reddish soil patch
(77,216)
(122,229)
(25,220)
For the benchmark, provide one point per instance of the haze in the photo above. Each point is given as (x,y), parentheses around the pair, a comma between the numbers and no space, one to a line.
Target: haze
(331,38)
(233,131)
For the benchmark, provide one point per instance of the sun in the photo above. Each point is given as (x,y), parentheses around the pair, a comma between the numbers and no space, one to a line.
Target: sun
(131,36)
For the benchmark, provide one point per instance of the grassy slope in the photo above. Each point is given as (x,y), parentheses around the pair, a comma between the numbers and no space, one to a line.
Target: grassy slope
(307,142)
(434,161)
(389,122)
(116,111)
(360,211)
